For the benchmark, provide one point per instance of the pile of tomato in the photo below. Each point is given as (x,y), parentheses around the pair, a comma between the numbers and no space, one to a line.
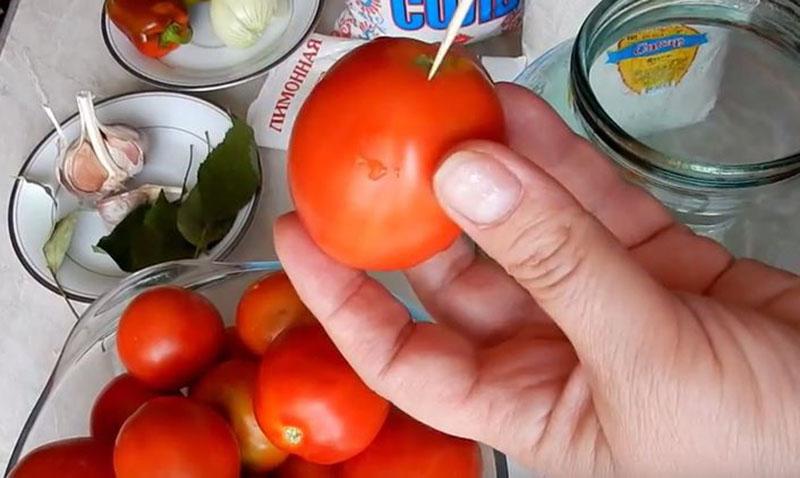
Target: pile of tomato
(270,396)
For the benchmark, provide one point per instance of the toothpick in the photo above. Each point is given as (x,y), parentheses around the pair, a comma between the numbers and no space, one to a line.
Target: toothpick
(450,35)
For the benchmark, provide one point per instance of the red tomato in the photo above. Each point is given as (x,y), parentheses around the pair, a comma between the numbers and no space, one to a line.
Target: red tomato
(168,336)
(234,348)
(267,307)
(405,444)
(74,458)
(367,142)
(229,387)
(296,467)
(175,436)
(309,401)
(118,400)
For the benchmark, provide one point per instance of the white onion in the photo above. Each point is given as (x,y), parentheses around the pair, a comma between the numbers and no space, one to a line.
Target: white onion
(240,23)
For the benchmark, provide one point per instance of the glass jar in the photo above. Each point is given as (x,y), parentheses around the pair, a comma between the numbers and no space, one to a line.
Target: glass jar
(699,102)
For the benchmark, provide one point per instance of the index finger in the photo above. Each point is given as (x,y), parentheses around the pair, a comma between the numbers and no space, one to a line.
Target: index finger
(421,368)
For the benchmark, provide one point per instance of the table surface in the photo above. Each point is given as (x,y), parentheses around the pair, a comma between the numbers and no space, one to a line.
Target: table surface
(55,47)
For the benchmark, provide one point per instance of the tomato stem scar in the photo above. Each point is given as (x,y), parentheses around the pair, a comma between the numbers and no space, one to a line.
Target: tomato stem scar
(292,435)
(424,61)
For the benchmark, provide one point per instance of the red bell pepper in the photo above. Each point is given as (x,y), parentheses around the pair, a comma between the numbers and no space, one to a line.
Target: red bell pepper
(155,27)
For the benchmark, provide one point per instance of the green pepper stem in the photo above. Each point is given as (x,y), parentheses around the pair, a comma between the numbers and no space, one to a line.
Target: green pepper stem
(175,34)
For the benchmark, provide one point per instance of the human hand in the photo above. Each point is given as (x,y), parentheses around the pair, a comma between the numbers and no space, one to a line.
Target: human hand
(604,338)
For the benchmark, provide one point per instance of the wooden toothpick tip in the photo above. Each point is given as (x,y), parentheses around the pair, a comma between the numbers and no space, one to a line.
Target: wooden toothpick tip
(450,36)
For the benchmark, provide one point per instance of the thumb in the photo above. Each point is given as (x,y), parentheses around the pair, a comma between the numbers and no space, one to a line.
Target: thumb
(611,310)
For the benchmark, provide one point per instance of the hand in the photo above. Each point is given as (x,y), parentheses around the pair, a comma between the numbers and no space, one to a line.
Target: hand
(604,338)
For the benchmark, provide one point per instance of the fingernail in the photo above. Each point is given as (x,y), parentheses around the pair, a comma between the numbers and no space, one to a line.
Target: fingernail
(477,186)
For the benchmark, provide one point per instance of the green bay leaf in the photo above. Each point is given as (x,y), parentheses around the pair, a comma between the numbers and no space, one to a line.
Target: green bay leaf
(226,181)
(56,247)
(118,243)
(196,228)
(148,236)
(229,177)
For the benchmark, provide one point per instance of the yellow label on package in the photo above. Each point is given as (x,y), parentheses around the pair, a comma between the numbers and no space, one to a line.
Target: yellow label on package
(657,57)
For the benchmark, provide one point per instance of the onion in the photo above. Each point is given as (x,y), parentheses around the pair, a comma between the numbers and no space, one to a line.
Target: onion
(240,23)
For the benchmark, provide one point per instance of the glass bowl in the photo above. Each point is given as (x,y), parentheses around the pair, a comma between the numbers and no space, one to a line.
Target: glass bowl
(89,358)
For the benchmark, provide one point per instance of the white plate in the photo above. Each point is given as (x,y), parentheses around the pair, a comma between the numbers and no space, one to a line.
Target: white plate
(206,63)
(171,122)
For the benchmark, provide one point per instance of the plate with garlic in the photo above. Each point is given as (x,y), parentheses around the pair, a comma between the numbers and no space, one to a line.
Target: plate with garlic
(204,45)
(129,182)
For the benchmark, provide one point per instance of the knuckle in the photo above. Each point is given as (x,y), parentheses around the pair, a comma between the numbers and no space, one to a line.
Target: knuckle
(547,253)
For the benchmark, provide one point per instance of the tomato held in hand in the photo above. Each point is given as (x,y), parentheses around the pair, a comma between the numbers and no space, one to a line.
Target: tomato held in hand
(367,142)
(296,467)
(118,401)
(176,436)
(74,458)
(229,387)
(168,336)
(405,444)
(309,401)
(267,307)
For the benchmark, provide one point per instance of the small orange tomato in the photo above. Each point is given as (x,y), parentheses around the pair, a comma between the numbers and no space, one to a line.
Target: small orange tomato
(118,401)
(311,403)
(267,308)
(296,467)
(229,388)
(73,458)
(176,436)
(404,444)
(234,348)
(168,336)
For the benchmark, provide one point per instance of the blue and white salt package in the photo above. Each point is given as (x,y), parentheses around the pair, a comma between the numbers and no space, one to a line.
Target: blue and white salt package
(426,20)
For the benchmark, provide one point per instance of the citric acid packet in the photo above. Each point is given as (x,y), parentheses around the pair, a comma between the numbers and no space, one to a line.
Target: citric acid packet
(272,114)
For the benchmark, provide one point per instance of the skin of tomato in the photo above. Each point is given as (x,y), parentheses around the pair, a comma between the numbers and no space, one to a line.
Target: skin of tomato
(405,444)
(176,436)
(267,308)
(229,387)
(116,402)
(366,144)
(168,336)
(72,458)
(234,348)
(296,467)
(309,401)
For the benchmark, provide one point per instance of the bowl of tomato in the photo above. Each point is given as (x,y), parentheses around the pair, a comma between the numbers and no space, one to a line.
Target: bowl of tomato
(222,366)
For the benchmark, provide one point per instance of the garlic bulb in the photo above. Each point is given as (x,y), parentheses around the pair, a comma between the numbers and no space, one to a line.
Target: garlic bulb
(103,158)
(113,209)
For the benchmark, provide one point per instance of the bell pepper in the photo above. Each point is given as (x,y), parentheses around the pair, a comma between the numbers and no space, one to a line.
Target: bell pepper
(155,27)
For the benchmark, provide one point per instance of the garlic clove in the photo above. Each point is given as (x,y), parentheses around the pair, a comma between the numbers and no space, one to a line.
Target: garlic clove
(103,158)
(114,209)
(126,147)
(81,166)
(116,175)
